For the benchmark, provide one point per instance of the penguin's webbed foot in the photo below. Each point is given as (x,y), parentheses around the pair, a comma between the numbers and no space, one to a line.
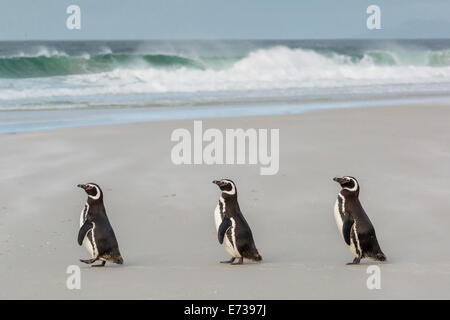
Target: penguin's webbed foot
(99,265)
(355,261)
(240,261)
(228,261)
(88,261)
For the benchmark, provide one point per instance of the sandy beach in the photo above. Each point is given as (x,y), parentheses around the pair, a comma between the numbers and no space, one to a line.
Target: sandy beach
(163,214)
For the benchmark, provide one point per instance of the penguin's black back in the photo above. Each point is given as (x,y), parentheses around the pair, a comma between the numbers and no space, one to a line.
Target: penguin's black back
(354,208)
(243,234)
(105,238)
(366,232)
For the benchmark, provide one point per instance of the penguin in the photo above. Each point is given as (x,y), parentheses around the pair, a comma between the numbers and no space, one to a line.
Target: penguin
(96,233)
(232,229)
(353,223)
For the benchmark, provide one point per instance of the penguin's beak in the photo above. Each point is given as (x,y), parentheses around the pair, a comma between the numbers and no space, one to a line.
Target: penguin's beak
(338,180)
(219,183)
(82,186)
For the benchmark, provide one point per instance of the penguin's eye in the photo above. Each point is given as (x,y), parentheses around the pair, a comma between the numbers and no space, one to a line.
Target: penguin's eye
(350,183)
(227,186)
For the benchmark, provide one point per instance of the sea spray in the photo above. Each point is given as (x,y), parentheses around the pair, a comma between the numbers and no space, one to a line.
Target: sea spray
(66,75)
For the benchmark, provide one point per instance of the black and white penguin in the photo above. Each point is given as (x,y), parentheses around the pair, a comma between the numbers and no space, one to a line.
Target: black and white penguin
(353,223)
(96,233)
(232,229)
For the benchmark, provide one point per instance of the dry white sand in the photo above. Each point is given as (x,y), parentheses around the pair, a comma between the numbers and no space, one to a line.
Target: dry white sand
(163,214)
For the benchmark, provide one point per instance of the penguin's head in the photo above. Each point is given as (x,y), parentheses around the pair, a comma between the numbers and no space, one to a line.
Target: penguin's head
(93,190)
(227,187)
(348,183)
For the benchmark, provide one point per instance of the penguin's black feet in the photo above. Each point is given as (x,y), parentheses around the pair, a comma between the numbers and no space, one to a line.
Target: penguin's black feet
(88,261)
(240,261)
(228,261)
(355,261)
(99,265)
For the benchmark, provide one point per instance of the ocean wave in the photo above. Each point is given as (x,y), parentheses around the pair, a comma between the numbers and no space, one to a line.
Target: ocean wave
(60,76)
(46,62)
(438,58)
(60,64)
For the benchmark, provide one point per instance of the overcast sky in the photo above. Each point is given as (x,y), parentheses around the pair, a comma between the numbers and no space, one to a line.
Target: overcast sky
(224,19)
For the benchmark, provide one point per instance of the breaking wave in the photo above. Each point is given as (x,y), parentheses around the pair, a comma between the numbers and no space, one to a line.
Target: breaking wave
(60,76)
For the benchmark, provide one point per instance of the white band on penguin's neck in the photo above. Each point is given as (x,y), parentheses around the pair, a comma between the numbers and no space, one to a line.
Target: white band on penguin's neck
(355,187)
(97,196)
(232,191)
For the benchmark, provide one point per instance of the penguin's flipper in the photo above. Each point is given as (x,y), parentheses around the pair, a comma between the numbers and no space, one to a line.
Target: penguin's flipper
(347,227)
(226,223)
(84,230)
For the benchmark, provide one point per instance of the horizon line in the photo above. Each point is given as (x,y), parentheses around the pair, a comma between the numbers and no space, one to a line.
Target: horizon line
(222,39)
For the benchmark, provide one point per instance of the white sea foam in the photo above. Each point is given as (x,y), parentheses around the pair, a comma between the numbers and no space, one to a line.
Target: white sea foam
(263,69)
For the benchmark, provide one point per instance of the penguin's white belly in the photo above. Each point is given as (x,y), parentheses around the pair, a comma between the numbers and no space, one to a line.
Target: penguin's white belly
(82,216)
(86,243)
(337,217)
(226,242)
(217,217)
(354,247)
(230,249)
(89,247)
